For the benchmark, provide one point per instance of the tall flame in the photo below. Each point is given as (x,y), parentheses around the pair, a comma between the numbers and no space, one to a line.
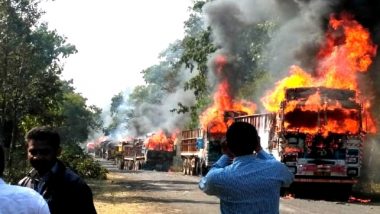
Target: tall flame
(213,118)
(159,141)
(347,51)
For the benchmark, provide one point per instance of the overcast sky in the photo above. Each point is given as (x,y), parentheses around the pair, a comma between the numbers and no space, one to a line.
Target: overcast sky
(116,39)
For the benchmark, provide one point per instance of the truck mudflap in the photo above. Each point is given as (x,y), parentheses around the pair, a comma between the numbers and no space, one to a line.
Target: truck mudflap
(325,180)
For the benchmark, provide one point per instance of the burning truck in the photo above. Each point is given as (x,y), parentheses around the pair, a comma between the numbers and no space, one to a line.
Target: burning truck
(153,153)
(316,121)
(159,151)
(318,133)
(129,154)
(201,148)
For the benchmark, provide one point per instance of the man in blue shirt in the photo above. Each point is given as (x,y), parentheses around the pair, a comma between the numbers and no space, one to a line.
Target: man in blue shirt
(246,182)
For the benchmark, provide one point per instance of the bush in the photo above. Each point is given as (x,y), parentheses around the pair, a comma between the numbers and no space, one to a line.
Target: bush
(83,164)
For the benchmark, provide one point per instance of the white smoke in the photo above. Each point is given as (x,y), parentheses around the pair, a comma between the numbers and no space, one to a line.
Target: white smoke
(153,117)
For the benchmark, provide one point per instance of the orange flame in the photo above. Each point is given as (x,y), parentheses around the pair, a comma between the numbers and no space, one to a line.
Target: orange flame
(353,199)
(347,51)
(292,150)
(213,118)
(160,142)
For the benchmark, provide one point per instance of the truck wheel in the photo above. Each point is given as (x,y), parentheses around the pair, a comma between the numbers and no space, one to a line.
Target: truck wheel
(196,167)
(121,165)
(136,166)
(184,164)
(130,165)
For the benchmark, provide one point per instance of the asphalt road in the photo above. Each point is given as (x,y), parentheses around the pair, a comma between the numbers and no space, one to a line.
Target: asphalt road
(176,193)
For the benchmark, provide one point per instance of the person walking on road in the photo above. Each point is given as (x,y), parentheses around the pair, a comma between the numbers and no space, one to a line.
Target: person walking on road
(15,199)
(246,182)
(64,191)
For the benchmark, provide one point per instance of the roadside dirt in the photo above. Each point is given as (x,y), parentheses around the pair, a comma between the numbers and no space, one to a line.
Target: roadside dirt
(150,192)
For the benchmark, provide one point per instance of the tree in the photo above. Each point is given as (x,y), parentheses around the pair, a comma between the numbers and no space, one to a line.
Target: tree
(29,70)
(78,119)
(197,46)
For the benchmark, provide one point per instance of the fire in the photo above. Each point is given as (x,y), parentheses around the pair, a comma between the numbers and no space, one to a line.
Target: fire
(292,150)
(213,118)
(353,199)
(160,142)
(346,52)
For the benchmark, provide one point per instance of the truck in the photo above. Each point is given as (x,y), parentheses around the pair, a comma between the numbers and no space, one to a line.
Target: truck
(129,154)
(318,134)
(159,152)
(201,147)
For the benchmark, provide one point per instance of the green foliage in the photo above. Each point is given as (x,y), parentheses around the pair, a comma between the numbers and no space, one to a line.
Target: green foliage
(81,163)
(116,101)
(193,51)
(252,60)
(197,48)
(31,91)
(30,87)
(79,119)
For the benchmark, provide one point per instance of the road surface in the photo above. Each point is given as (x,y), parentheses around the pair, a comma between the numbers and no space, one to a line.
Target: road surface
(172,192)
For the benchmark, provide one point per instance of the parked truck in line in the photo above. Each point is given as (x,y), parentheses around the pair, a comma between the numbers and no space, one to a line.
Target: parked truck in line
(148,153)
(129,154)
(317,133)
(159,151)
(201,148)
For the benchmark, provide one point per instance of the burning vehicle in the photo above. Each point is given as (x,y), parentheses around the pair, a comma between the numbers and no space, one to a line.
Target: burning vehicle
(159,151)
(201,148)
(317,132)
(153,153)
(129,154)
(315,121)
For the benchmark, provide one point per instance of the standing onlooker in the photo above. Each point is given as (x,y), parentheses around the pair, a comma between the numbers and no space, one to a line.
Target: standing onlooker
(251,183)
(16,199)
(64,191)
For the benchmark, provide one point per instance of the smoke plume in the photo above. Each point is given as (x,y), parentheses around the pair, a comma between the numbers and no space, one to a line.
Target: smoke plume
(148,117)
(301,25)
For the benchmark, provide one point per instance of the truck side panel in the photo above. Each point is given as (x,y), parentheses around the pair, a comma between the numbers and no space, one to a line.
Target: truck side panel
(265,125)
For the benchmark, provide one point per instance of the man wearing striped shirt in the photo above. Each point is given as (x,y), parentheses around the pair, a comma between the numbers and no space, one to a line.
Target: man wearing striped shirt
(246,182)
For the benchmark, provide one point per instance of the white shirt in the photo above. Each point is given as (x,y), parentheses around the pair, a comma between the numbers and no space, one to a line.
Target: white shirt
(21,200)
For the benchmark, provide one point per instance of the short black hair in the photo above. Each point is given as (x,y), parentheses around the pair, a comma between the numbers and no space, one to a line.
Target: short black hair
(44,133)
(242,138)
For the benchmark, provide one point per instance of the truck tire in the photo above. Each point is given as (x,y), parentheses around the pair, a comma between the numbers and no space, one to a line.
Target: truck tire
(137,166)
(187,169)
(121,165)
(191,169)
(197,167)
(130,165)
(184,164)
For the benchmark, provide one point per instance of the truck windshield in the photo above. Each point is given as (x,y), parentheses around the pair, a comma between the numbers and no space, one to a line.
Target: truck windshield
(327,120)
(317,146)
(313,110)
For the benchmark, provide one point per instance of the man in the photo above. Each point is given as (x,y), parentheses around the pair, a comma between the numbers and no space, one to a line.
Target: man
(16,199)
(64,191)
(251,183)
